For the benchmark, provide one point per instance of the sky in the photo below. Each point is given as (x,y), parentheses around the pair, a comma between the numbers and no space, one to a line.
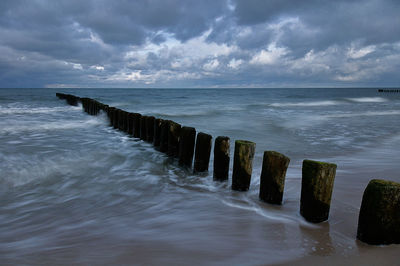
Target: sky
(199,43)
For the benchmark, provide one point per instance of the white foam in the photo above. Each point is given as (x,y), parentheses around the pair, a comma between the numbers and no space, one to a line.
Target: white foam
(37,110)
(306,104)
(367,100)
(370,113)
(49,126)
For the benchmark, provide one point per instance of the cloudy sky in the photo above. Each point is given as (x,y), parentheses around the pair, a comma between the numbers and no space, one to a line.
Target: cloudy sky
(199,43)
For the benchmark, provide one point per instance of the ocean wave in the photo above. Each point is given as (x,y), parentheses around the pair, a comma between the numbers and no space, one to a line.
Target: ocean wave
(367,100)
(37,110)
(370,113)
(49,126)
(307,104)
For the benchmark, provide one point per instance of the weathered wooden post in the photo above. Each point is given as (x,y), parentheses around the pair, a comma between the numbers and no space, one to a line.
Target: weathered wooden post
(242,164)
(272,179)
(110,113)
(202,152)
(164,136)
(157,132)
(379,218)
(174,131)
(150,128)
(130,123)
(126,121)
(143,130)
(116,117)
(136,125)
(186,146)
(316,190)
(221,158)
(121,120)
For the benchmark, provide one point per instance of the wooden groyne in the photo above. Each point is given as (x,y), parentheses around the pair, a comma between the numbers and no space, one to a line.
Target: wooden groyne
(379,218)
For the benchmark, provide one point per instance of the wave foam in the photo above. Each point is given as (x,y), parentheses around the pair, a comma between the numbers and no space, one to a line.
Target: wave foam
(306,104)
(367,100)
(38,110)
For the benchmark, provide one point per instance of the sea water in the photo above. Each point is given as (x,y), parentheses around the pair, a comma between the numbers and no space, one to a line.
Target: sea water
(75,191)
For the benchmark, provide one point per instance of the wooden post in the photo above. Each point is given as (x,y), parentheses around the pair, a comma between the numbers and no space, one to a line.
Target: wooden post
(150,128)
(164,136)
(316,190)
(379,219)
(130,123)
(272,179)
(126,121)
(221,158)
(157,132)
(136,125)
(242,164)
(174,130)
(116,117)
(143,131)
(121,120)
(111,111)
(202,153)
(186,146)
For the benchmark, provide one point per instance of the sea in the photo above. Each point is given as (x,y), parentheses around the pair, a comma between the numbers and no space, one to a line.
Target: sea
(75,191)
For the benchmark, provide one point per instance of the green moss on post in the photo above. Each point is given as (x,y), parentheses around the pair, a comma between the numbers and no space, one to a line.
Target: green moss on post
(150,128)
(272,179)
(186,146)
(174,131)
(164,136)
(379,218)
(242,164)
(157,132)
(316,190)
(221,158)
(202,152)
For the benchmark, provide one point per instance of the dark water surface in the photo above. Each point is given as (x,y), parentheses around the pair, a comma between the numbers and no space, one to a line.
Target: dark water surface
(75,191)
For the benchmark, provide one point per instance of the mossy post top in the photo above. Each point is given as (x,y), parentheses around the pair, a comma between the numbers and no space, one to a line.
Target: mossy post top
(381,182)
(276,154)
(245,142)
(319,164)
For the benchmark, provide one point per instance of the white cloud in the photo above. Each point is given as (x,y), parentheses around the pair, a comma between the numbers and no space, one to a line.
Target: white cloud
(361,52)
(269,56)
(211,65)
(234,64)
(100,68)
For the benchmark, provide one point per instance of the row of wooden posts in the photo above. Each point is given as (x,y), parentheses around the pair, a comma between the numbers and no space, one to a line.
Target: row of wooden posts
(181,142)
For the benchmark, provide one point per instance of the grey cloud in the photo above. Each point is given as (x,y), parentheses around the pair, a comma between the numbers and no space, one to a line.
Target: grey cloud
(86,42)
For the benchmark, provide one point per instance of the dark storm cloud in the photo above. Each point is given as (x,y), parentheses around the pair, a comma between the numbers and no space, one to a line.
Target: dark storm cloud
(198,43)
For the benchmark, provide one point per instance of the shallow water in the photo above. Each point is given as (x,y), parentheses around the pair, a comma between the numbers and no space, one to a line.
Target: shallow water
(76,191)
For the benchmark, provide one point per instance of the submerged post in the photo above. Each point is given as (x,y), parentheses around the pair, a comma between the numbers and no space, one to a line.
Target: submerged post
(379,218)
(242,164)
(202,153)
(221,158)
(186,146)
(157,132)
(150,128)
(272,179)
(316,190)
(164,136)
(174,131)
